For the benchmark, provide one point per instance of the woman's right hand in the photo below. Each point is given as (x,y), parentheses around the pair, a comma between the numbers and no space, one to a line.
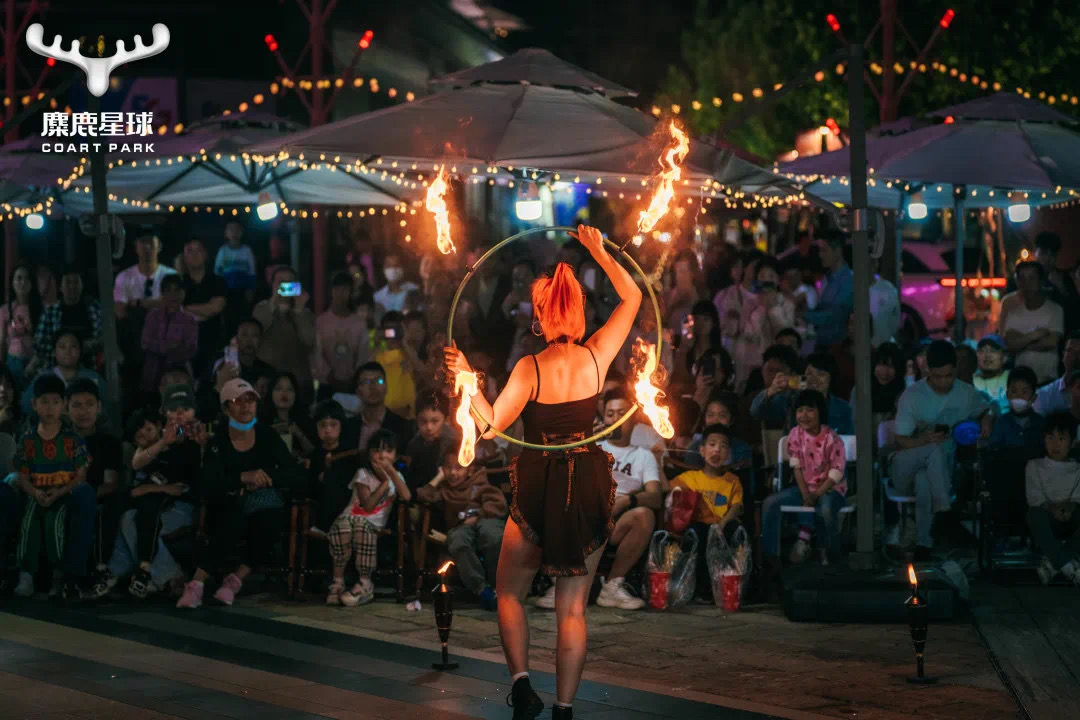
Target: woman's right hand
(590,238)
(455,360)
(254,479)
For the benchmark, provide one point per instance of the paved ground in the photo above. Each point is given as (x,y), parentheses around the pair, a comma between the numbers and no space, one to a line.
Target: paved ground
(271,659)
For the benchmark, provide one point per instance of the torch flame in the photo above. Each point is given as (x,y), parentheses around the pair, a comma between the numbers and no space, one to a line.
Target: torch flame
(670,175)
(911,576)
(647,394)
(465,384)
(436,205)
(446,566)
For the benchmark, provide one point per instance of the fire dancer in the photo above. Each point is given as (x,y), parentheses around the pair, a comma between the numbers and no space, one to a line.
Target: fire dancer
(562,500)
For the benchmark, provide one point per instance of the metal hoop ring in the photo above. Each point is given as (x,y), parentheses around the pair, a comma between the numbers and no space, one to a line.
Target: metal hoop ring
(659,333)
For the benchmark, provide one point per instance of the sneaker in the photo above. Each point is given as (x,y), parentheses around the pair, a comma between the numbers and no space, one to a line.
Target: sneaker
(361,593)
(526,703)
(562,713)
(413,606)
(1046,571)
(799,552)
(57,588)
(104,585)
(1071,570)
(25,586)
(192,597)
(614,594)
(141,585)
(230,586)
(547,600)
(333,597)
(488,600)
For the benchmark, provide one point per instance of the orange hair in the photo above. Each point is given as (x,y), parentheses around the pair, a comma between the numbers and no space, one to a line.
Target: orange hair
(560,304)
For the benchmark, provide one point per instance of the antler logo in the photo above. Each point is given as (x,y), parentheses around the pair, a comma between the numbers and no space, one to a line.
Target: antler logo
(97,69)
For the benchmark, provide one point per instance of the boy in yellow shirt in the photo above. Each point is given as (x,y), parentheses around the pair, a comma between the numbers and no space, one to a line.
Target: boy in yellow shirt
(720,500)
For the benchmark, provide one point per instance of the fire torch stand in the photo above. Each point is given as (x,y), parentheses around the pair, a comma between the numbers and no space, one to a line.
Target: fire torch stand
(918,618)
(443,598)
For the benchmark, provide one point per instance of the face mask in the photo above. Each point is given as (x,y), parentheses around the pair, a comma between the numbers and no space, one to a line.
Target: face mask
(243,427)
(1019,405)
(393,274)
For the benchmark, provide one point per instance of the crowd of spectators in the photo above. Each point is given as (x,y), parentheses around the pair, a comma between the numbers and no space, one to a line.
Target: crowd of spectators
(239,405)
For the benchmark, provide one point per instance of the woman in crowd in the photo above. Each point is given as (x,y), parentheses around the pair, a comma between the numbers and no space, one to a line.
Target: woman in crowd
(246,471)
(736,307)
(10,412)
(720,408)
(776,310)
(686,288)
(283,413)
(562,503)
(18,318)
(699,345)
(886,382)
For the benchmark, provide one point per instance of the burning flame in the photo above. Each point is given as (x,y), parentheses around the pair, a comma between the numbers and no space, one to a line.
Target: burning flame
(647,394)
(465,384)
(436,205)
(912,577)
(665,191)
(446,566)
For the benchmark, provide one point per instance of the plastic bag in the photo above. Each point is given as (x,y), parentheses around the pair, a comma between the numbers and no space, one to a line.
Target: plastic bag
(728,560)
(671,576)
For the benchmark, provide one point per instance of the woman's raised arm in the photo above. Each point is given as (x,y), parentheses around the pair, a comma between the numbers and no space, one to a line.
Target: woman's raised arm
(608,340)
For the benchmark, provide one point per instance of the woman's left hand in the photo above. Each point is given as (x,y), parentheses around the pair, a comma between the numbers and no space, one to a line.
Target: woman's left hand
(455,360)
(590,238)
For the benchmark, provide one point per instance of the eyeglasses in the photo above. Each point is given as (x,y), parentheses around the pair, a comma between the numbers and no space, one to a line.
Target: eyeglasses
(371,381)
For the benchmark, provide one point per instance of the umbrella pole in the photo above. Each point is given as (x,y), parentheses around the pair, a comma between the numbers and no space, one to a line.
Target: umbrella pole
(960,232)
(103,254)
(864,468)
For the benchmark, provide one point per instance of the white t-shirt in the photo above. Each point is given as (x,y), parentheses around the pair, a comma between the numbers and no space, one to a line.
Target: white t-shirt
(380,514)
(393,301)
(130,284)
(885,310)
(1048,315)
(634,466)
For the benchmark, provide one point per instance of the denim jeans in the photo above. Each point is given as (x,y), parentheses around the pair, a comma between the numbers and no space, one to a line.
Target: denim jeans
(1058,541)
(926,473)
(163,567)
(826,516)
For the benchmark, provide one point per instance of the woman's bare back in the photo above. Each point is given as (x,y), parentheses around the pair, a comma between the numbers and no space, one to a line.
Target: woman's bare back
(567,373)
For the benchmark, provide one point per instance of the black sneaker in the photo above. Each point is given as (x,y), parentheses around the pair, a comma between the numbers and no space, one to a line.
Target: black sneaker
(526,703)
(562,713)
(141,585)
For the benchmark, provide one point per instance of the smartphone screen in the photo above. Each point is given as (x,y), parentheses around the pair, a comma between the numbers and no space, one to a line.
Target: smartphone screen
(389,333)
(289,289)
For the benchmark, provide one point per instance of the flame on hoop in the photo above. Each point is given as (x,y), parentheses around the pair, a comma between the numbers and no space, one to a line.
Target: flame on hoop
(670,173)
(465,383)
(446,566)
(436,205)
(647,394)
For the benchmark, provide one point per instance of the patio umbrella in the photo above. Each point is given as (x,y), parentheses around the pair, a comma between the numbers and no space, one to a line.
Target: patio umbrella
(982,152)
(534,66)
(572,132)
(205,166)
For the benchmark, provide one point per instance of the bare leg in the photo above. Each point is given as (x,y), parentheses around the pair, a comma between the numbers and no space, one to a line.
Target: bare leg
(571,597)
(519,560)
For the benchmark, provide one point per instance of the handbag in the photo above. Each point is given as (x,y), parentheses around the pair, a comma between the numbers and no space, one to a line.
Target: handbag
(261,499)
(680,513)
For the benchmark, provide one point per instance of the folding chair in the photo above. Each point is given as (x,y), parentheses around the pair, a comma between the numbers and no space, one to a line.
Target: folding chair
(849,457)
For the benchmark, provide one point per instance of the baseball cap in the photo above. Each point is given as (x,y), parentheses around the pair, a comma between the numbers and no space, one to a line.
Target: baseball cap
(235,388)
(994,340)
(178,396)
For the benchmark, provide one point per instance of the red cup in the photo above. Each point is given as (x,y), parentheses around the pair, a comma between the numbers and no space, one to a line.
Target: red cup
(732,589)
(658,589)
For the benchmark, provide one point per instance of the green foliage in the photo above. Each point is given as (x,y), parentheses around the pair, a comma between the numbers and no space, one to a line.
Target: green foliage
(734,46)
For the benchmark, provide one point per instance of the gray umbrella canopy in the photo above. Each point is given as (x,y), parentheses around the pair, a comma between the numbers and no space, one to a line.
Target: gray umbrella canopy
(994,145)
(555,130)
(206,166)
(535,66)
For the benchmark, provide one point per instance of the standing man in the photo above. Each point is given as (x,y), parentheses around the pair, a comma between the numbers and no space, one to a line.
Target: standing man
(1035,325)
(137,291)
(204,297)
(288,329)
(341,338)
(830,317)
(75,312)
(1055,396)
(391,296)
(884,307)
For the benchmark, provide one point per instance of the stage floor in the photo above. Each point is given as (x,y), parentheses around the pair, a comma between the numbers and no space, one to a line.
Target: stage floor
(276,660)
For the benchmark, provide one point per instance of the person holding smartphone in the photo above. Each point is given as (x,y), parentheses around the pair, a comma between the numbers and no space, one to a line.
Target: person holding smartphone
(399,360)
(288,328)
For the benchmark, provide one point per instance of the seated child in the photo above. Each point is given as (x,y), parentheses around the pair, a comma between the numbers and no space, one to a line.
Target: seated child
(60,507)
(992,378)
(721,493)
(475,517)
(330,466)
(1053,492)
(1020,428)
(433,436)
(354,531)
(818,461)
(167,466)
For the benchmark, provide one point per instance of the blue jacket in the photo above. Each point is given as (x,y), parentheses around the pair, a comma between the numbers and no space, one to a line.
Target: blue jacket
(830,317)
(1012,431)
